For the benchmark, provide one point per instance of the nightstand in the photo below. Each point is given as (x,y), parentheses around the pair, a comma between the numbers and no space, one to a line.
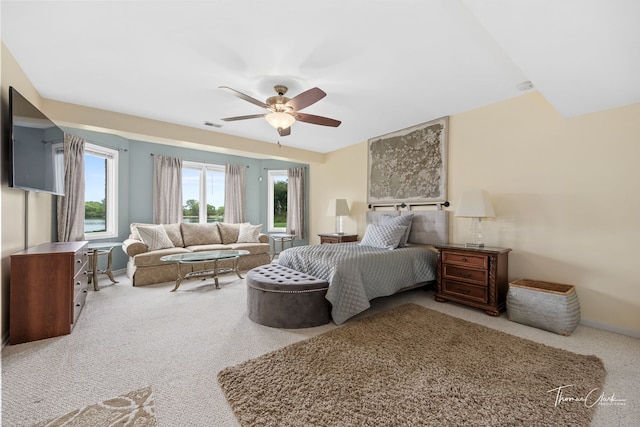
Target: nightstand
(337,238)
(477,277)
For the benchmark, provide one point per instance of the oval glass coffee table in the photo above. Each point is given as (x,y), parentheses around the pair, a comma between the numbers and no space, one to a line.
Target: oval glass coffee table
(203,257)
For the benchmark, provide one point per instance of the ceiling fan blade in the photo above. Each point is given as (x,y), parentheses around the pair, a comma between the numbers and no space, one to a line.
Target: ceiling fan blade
(245,97)
(306,98)
(285,131)
(317,120)
(233,119)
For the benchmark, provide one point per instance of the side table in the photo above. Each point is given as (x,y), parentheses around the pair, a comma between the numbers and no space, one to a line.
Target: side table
(95,250)
(282,238)
(473,276)
(337,238)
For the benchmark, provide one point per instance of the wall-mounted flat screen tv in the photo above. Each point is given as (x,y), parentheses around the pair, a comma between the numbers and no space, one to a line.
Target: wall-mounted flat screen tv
(36,161)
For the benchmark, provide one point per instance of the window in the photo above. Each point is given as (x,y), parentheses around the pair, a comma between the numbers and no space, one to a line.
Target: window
(277,215)
(202,192)
(100,192)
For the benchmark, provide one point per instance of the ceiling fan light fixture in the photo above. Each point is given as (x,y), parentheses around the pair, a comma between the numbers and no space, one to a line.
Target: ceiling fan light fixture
(280,120)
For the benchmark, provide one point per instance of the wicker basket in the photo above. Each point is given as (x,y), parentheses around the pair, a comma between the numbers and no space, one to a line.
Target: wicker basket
(550,306)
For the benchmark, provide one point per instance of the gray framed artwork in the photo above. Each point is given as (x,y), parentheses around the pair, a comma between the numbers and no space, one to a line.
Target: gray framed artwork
(410,165)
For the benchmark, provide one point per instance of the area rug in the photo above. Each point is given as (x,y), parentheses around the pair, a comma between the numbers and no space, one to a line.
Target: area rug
(134,409)
(414,366)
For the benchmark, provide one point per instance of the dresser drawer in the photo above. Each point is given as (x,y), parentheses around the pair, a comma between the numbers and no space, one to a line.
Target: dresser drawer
(78,303)
(470,275)
(471,260)
(466,290)
(80,283)
(80,260)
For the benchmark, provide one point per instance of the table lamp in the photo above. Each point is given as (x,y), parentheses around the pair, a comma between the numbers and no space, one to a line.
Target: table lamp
(338,208)
(475,204)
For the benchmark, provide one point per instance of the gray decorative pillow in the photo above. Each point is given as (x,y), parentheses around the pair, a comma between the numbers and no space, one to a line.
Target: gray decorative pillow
(154,236)
(403,221)
(249,233)
(383,236)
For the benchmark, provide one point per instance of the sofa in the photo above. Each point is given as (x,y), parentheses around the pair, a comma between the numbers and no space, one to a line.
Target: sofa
(147,243)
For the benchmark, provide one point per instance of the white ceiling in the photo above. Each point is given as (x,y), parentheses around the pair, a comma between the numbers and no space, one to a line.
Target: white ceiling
(384,64)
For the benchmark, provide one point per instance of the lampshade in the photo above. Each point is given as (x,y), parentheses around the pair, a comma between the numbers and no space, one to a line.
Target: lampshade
(338,207)
(280,120)
(475,204)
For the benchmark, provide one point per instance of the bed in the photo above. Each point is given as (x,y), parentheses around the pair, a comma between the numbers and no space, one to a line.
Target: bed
(357,272)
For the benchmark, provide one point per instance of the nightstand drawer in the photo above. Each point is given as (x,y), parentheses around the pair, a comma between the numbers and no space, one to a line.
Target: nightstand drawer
(478,277)
(479,261)
(466,290)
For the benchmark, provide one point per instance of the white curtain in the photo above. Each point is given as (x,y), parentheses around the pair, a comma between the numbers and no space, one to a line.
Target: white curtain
(295,202)
(167,190)
(234,194)
(70,207)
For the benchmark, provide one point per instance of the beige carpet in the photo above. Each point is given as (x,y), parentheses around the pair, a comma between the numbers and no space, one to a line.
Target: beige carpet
(414,366)
(134,409)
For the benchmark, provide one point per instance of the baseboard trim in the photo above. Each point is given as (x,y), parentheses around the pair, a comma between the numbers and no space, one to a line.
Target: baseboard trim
(609,328)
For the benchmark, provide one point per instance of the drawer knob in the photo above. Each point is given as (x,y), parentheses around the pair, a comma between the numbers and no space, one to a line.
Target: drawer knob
(78,283)
(79,261)
(463,259)
(463,291)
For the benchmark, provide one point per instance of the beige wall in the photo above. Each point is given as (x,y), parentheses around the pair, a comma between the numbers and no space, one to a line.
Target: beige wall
(343,175)
(565,191)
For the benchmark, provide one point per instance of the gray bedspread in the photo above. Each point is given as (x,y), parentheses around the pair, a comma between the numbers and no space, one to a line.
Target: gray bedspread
(357,274)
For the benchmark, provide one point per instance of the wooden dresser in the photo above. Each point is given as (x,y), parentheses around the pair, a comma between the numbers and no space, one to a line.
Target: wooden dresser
(473,276)
(337,238)
(48,288)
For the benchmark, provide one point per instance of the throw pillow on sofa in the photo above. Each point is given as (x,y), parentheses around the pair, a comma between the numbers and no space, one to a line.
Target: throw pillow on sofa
(200,234)
(154,236)
(228,232)
(249,233)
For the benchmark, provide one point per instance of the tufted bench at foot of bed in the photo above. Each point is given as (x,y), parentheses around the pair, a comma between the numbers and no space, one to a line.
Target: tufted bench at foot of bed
(280,297)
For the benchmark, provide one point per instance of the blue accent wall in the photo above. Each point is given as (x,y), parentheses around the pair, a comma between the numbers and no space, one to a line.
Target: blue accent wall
(135,180)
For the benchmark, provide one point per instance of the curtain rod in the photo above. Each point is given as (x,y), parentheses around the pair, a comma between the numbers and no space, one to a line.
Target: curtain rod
(86,140)
(153,154)
(268,169)
(410,205)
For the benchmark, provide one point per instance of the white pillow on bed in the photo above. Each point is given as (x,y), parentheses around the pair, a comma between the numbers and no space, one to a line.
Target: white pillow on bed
(383,236)
(403,221)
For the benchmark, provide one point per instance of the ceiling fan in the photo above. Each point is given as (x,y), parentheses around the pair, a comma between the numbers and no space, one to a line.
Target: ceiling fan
(283,112)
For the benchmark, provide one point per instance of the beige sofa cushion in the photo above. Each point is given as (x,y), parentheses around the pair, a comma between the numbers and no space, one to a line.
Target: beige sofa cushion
(174,233)
(228,232)
(211,247)
(148,259)
(200,234)
(253,248)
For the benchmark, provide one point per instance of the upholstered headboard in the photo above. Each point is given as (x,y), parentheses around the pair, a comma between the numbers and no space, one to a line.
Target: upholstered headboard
(429,227)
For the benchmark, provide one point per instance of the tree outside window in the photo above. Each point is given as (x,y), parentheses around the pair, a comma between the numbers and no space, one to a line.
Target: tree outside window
(202,192)
(278,189)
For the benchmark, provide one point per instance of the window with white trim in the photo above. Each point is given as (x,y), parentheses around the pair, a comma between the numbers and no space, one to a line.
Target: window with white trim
(100,192)
(202,192)
(277,201)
